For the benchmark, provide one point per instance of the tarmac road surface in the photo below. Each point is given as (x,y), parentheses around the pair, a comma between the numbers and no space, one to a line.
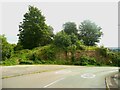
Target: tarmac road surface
(58,76)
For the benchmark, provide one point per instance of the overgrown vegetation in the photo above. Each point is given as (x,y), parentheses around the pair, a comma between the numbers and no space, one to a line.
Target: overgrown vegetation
(52,54)
(71,46)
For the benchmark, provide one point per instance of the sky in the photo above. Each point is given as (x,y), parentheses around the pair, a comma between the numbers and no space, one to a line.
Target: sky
(104,14)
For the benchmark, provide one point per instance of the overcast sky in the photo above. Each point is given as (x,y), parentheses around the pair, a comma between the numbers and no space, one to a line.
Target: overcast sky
(104,14)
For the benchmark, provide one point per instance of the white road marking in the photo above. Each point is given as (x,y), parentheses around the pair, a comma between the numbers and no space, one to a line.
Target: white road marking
(88,75)
(53,83)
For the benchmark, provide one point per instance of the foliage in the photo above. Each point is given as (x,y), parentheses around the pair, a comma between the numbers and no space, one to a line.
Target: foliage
(73,38)
(7,49)
(70,27)
(47,36)
(89,33)
(44,53)
(92,48)
(103,51)
(11,61)
(34,30)
(80,45)
(115,58)
(18,47)
(62,40)
(85,60)
(26,62)
(63,62)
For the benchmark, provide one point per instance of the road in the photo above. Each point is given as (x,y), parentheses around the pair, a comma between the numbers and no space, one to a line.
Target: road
(58,76)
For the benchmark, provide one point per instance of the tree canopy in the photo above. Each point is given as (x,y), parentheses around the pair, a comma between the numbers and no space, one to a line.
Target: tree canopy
(33,30)
(70,27)
(6,48)
(62,40)
(90,33)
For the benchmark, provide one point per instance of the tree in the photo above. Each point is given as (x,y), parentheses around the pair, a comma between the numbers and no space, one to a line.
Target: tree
(5,48)
(47,36)
(89,33)
(62,40)
(70,27)
(74,38)
(33,30)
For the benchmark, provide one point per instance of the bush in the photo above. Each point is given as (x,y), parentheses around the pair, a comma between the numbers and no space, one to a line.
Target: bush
(33,56)
(80,45)
(26,62)
(44,53)
(22,54)
(37,62)
(6,48)
(98,64)
(11,61)
(115,58)
(62,40)
(91,48)
(18,47)
(62,62)
(103,51)
(77,62)
(85,60)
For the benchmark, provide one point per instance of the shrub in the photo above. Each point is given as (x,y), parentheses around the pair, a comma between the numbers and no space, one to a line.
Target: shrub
(33,56)
(18,47)
(80,45)
(91,48)
(62,40)
(44,53)
(5,48)
(48,54)
(37,62)
(103,51)
(77,62)
(26,62)
(63,62)
(85,60)
(11,61)
(98,64)
(115,58)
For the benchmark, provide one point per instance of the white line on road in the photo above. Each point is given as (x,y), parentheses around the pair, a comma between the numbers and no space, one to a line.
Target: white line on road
(53,83)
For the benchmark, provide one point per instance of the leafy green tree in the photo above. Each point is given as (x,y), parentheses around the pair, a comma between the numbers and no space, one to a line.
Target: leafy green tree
(90,33)
(73,46)
(70,27)
(74,38)
(18,47)
(33,30)
(62,40)
(47,36)
(6,48)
